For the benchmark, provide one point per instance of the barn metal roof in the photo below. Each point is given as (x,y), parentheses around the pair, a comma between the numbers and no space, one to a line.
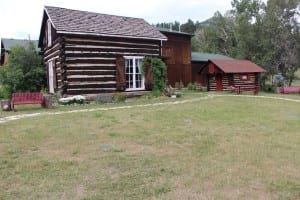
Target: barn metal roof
(9,43)
(172,31)
(84,22)
(204,57)
(237,66)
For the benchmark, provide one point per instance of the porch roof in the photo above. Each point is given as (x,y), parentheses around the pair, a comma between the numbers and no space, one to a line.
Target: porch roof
(237,66)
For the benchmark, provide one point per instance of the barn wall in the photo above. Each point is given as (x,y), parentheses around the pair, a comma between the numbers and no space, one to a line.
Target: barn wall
(176,53)
(199,73)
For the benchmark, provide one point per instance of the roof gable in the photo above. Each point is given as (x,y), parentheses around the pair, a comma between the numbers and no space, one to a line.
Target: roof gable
(237,66)
(83,22)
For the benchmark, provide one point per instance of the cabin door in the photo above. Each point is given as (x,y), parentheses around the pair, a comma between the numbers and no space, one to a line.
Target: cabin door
(50,77)
(219,82)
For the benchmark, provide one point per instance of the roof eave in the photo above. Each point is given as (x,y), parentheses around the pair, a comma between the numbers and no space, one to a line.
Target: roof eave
(111,35)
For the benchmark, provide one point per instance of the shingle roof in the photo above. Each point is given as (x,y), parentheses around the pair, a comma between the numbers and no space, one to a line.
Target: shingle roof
(83,22)
(204,57)
(237,66)
(9,43)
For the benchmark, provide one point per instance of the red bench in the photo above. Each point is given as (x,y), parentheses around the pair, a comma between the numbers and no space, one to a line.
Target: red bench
(240,89)
(290,89)
(26,98)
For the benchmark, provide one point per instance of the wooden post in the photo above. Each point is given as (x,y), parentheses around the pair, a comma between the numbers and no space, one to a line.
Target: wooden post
(48,103)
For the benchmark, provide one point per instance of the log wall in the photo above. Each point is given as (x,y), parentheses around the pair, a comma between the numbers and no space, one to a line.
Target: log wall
(87,64)
(233,80)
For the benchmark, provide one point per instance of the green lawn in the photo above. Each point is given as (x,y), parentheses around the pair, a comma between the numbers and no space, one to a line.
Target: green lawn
(216,148)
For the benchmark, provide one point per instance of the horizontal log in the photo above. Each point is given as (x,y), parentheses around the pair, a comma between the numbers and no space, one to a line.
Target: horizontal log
(109,39)
(58,40)
(110,44)
(89,78)
(53,48)
(91,60)
(90,91)
(92,67)
(55,55)
(111,50)
(91,72)
(98,85)
(89,64)
(112,54)
(88,55)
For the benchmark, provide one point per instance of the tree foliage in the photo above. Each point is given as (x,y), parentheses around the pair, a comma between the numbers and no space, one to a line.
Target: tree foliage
(23,71)
(267,34)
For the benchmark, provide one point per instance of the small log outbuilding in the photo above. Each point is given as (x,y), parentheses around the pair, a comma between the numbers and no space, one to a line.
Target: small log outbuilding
(91,53)
(223,75)
(200,62)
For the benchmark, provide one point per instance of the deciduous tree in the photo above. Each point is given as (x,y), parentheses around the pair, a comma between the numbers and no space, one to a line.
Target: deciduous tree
(24,71)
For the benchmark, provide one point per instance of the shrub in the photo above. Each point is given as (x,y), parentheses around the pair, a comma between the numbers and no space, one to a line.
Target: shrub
(192,86)
(156,93)
(178,94)
(119,97)
(4,93)
(159,71)
(204,89)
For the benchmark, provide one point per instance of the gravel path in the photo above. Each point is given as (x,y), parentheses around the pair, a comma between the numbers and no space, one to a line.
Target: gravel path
(17,117)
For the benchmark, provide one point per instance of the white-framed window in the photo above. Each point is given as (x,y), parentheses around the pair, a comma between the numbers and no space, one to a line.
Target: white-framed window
(49,36)
(244,77)
(134,77)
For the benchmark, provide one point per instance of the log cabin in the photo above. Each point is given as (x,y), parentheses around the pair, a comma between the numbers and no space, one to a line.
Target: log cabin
(224,75)
(91,53)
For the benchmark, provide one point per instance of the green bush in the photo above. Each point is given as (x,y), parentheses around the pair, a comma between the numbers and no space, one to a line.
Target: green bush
(178,94)
(119,97)
(4,93)
(24,71)
(192,86)
(156,93)
(159,71)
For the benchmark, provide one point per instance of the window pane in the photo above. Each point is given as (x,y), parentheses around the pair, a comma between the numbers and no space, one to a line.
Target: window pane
(133,73)
(137,70)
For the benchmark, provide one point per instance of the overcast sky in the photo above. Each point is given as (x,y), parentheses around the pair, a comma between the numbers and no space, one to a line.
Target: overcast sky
(21,18)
